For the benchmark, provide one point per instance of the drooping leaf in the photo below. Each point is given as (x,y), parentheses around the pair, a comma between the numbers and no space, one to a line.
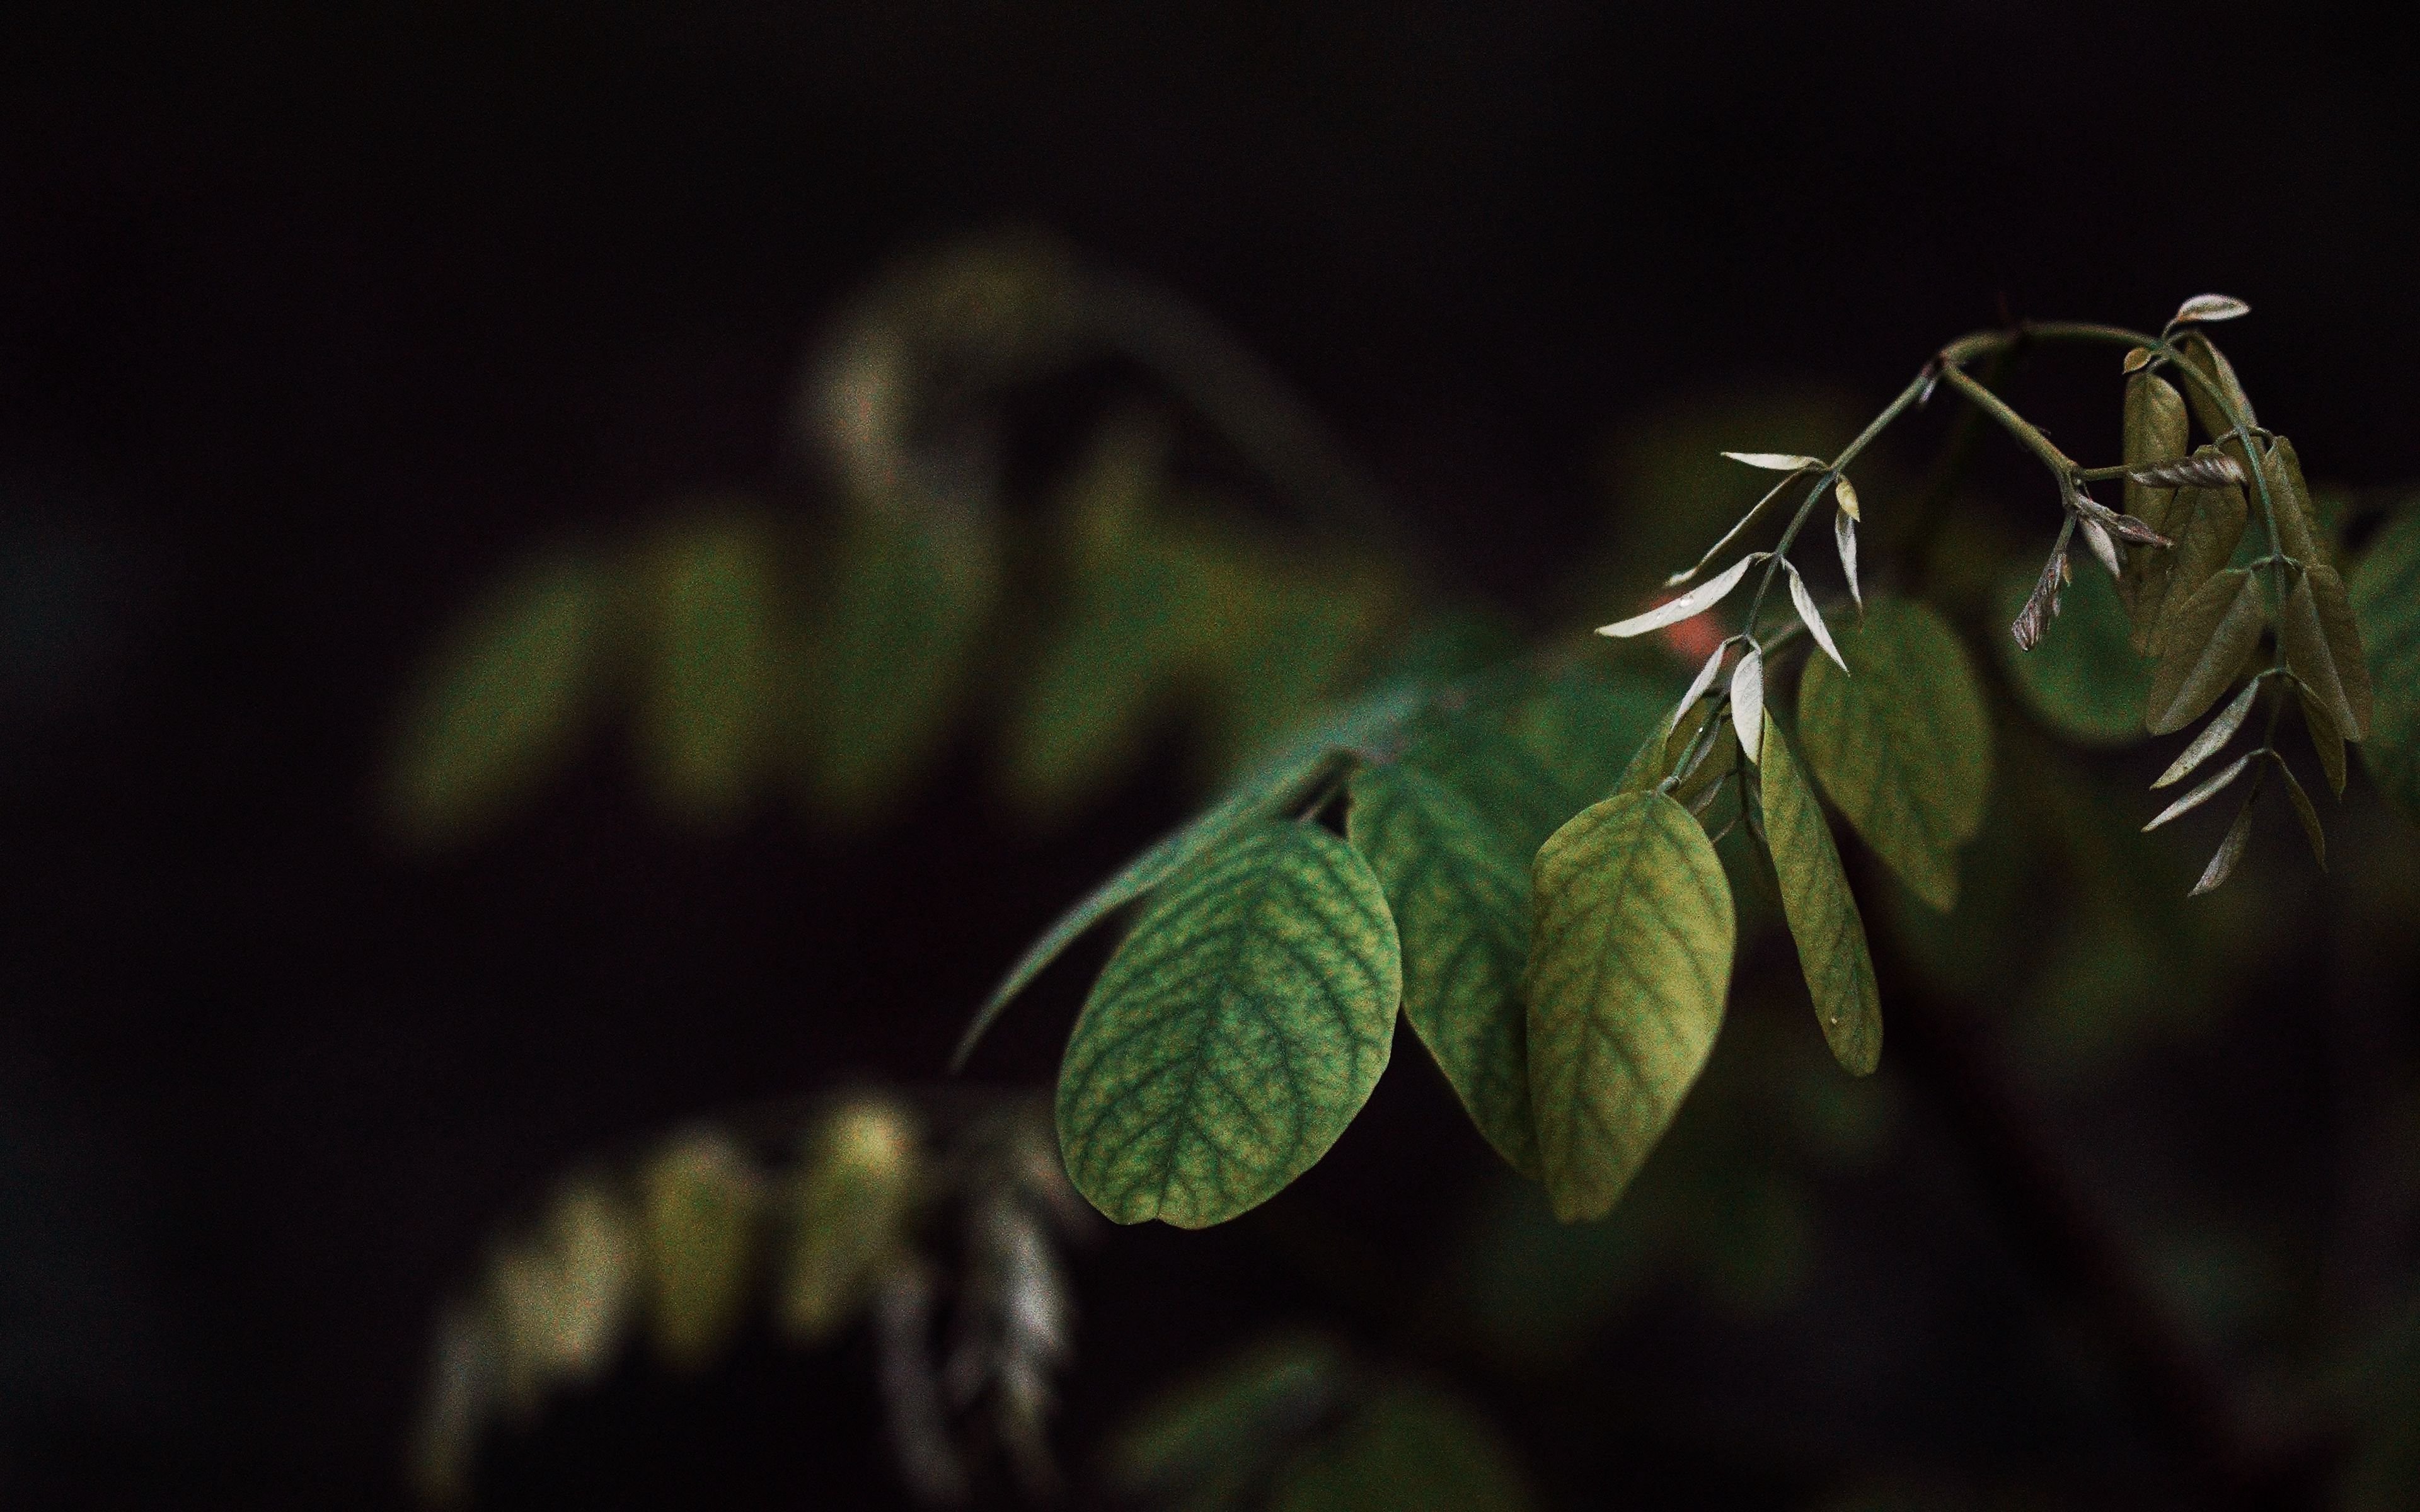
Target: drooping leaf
(1808,615)
(713,668)
(2307,816)
(2212,363)
(2156,432)
(699,1197)
(1321,749)
(1747,701)
(2298,524)
(2342,633)
(1236,1032)
(2230,851)
(909,599)
(2201,792)
(2385,598)
(2209,642)
(1460,894)
(2312,659)
(511,693)
(2208,525)
(1904,747)
(847,1206)
(1630,960)
(1408,1446)
(1844,539)
(1822,914)
(2086,681)
(2213,736)
(2327,742)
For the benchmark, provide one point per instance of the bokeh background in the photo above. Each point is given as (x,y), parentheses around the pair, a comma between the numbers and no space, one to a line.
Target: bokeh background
(314,324)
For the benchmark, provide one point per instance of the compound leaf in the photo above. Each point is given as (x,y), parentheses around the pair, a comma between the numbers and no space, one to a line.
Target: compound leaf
(1236,1032)
(1903,747)
(1630,958)
(1822,914)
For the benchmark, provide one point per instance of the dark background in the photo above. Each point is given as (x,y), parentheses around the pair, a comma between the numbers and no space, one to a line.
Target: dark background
(309,321)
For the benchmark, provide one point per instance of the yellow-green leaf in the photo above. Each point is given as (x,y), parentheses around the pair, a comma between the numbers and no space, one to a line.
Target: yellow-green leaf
(1236,1032)
(562,1297)
(712,667)
(2156,432)
(512,691)
(1460,894)
(699,1195)
(2208,524)
(2385,598)
(2298,524)
(1822,914)
(2212,363)
(1903,747)
(1205,1439)
(1629,957)
(2311,657)
(2210,639)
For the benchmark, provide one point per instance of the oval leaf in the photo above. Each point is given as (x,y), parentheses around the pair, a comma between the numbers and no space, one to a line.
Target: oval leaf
(699,1195)
(2085,682)
(2343,636)
(1629,957)
(2209,642)
(2298,524)
(2385,597)
(715,670)
(2209,525)
(2210,307)
(2196,350)
(1234,1033)
(1460,895)
(1822,914)
(1903,750)
(849,1204)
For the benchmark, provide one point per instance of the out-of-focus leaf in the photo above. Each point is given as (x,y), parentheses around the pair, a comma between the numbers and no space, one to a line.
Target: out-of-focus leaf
(2208,524)
(709,684)
(1318,749)
(1408,1446)
(2213,736)
(2086,681)
(2209,642)
(1460,894)
(700,1195)
(848,1207)
(1902,747)
(2386,599)
(464,1382)
(1824,918)
(1236,1032)
(563,1297)
(515,687)
(910,595)
(1205,1440)
(1630,960)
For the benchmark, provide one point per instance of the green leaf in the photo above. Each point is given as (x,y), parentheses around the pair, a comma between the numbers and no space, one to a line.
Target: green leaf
(1321,747)
(2208,524)
(2327,742)
(910,595)
(1205,1440)
(1236,1032)
(2197,350)
(1460,894)
(699,1195)
(1903,747)
(849,1204)
(2310,654)
(2208,644)
(2155,432)
(1410,1446)
(2386,599)
(1629,957)
(2085,682)
(1822,914)
(2342,631)
(510,694)
(712,671)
